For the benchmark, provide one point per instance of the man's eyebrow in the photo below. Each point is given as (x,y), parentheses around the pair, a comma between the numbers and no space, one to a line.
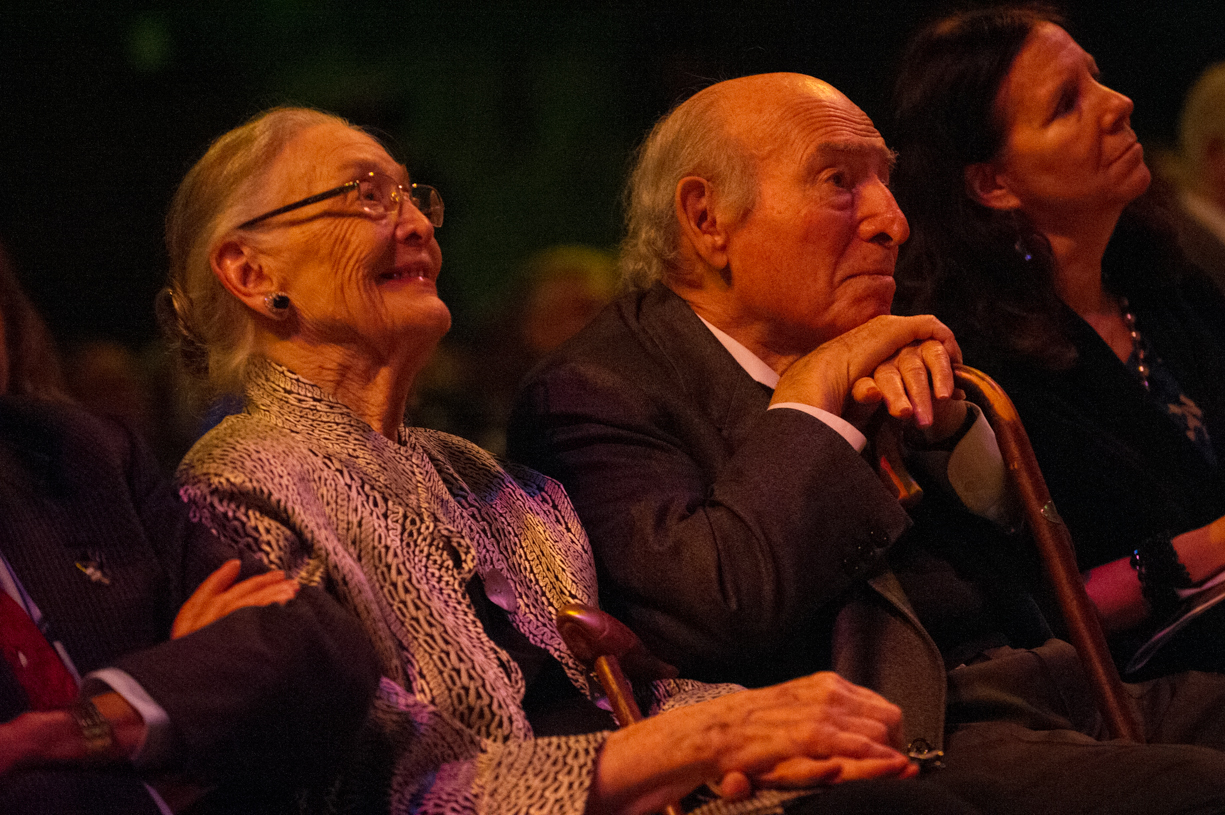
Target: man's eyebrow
(825,149)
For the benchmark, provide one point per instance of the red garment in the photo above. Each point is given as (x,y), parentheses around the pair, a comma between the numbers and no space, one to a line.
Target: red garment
(37,666)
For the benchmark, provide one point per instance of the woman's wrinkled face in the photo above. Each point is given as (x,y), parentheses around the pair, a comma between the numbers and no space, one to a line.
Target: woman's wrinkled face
(1069,149)
(354,280)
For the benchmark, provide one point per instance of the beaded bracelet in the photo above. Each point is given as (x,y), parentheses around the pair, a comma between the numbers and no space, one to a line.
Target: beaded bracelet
(1160,572)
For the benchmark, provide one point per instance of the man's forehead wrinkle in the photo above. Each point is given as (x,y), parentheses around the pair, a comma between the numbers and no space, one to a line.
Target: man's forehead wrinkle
(867,149)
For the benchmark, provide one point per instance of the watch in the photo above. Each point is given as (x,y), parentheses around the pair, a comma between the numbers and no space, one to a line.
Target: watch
(97,732)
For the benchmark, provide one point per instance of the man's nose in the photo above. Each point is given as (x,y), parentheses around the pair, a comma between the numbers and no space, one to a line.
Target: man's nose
(881,219)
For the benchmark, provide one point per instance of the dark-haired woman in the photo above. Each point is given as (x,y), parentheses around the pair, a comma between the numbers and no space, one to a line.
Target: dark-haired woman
(1024,185)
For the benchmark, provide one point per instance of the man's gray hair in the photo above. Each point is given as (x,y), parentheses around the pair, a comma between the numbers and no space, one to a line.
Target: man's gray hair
(691,140)
(1203,116)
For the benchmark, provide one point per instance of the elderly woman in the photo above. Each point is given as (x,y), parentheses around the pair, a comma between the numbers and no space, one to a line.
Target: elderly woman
(303,269)
(1017,165)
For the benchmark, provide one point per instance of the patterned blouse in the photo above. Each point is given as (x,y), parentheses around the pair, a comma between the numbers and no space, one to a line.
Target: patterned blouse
(396,531)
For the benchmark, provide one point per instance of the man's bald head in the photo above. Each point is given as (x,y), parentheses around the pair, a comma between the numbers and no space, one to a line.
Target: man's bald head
(719,134)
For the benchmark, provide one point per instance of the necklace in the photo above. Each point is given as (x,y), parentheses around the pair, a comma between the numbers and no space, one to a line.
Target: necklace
(1137,345)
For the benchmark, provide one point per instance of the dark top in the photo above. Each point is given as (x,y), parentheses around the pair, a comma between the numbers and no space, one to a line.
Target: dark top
(1120,465)
(1120,468)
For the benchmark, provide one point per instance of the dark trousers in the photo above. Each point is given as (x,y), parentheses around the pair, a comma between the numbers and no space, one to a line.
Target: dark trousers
(1023,741)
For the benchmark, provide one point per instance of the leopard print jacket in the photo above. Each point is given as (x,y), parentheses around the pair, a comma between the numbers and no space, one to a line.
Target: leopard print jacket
(395,531)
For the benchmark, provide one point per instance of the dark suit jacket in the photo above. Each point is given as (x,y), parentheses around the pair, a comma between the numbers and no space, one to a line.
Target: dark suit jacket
(262,700)
(743,544)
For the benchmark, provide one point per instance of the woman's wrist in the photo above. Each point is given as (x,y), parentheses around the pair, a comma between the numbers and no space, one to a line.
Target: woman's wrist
(1161,573)
(655,762)
(1199,552)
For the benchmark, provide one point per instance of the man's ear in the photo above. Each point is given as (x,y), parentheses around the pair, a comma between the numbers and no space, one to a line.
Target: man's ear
(705,233)
(239,270)
(986,185)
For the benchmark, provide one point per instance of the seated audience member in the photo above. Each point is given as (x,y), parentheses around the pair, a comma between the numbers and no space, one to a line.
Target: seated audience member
(303,267)
(245,697)
(1016,167)
(707,427)
(1200,173)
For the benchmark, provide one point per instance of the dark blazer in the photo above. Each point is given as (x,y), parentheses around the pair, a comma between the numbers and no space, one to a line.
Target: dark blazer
(742,544)
(260,701)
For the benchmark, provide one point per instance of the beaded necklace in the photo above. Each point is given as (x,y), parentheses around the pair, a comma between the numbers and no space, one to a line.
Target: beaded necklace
(1137,345)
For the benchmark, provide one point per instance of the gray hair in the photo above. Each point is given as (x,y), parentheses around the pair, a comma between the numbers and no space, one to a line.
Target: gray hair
(214,332)
(691,140)
(1203,116)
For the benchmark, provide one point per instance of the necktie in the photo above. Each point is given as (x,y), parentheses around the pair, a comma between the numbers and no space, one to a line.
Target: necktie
(37,666)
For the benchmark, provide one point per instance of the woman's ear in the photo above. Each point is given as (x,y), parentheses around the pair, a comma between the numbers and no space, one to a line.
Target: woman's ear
(240,271)
(701,228)
(987,185)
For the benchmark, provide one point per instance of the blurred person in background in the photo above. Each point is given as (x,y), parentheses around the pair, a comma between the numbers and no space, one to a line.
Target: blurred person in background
(1199,173)
(29,363)
(467,389)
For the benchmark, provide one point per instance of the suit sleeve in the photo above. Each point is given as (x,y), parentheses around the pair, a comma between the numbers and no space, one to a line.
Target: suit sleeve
(716,551)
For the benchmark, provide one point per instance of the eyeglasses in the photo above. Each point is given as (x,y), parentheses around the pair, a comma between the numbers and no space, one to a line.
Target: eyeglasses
(377,194)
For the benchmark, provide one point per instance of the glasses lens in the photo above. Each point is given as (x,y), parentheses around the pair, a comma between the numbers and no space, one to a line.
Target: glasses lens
(427,199)
(376,194)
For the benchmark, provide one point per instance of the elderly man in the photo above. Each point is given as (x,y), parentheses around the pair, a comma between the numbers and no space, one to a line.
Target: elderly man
(708,428)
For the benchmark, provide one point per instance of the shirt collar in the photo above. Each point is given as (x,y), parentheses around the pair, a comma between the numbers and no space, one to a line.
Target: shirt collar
(751,363)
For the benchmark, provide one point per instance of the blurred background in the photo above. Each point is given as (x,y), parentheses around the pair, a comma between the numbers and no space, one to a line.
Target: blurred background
(523,114)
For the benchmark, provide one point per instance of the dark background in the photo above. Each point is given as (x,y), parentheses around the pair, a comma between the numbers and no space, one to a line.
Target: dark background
(523,114)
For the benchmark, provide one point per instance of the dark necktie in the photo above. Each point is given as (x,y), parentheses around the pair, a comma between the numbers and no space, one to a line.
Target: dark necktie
(40,671)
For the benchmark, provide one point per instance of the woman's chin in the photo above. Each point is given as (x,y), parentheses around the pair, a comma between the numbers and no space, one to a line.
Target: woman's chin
(1135,177)
(427,318)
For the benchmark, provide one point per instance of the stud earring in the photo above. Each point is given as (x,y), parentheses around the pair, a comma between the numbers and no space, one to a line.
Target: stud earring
(278,304)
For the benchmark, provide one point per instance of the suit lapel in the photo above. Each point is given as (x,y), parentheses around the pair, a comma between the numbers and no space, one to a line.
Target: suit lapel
(710,376)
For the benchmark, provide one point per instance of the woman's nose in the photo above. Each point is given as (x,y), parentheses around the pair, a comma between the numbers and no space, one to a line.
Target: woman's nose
(412,223)
(1118,108)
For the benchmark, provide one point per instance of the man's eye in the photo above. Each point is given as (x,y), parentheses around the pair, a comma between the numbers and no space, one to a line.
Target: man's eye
(1067,101)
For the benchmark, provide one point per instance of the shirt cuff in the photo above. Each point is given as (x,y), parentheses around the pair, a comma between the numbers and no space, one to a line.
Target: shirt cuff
(836,423)
(976,471)
(155,750)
